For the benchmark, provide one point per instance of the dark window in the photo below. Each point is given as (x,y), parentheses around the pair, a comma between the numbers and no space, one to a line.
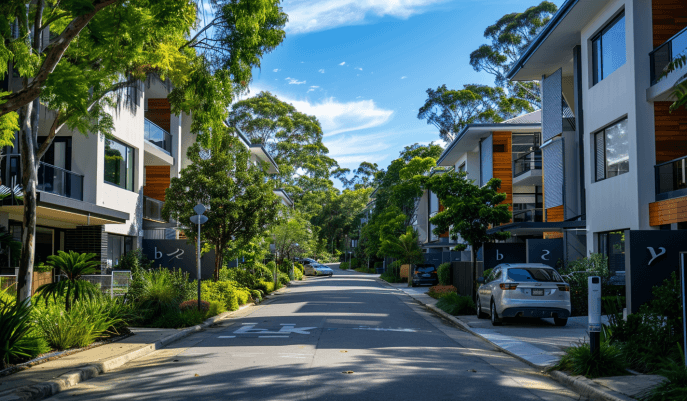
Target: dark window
(608,49)
(119,164)
(533,274)
(682,225)
(499,148)
(461,169)
(612,244)
(612,151)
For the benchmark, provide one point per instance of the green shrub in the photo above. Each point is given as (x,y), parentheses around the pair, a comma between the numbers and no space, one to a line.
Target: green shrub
(486,273)
(675,388)
(440,292)
(577,274)
(378,265)
(297,273)
(444,273)
(160,290)
(227,293)
(579,360)
(134,261)
(283,279)
(285,266)
(455,304)
(15,326)
(355,263)
(84,323)
(175,319)
(240,275)
(72,265)
(215,309)
(193,304)
(344,265)
(271,266)
(390,278)
(265,286)
(256,295)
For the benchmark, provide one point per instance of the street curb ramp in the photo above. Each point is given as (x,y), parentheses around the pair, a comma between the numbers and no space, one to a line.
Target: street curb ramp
(586,388)
(40,391)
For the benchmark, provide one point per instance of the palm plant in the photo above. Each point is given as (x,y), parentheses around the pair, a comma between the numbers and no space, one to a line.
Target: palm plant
(73,265)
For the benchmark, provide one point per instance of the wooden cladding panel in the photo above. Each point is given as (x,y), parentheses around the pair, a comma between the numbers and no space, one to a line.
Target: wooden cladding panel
(552,235)
(503,164)
(555,213)
(159,112)
(669,17)
(668,211)
(157,180)
(670,132)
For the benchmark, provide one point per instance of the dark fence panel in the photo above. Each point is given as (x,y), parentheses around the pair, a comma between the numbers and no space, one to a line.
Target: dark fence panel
(462,276)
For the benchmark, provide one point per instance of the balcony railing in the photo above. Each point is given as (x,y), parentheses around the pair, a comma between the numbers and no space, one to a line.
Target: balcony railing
(528,162)
(152,209)
(53,179)
(158,136)
(661,56)
(671,179)
(528,216)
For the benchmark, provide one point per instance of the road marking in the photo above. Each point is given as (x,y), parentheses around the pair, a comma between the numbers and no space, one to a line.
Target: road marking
(286,329)
(382,329)
(273,336)
(226,337)
(288,324)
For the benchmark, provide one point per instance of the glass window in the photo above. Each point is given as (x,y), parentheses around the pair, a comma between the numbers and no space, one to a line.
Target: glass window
(119,164)
(523,144)
(612,151)
(612,244)
(608,49)
(534,274)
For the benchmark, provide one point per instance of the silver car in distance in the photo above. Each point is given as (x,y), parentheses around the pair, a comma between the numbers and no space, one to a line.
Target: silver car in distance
(523,290)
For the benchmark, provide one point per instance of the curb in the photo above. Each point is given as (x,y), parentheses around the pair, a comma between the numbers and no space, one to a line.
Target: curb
(40,391)
(586,388)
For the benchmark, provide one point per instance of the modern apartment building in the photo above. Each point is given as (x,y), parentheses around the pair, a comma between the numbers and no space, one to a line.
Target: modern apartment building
(105,195)
(605,58)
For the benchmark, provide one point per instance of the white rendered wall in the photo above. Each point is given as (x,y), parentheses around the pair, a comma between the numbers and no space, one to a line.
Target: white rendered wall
(620,202)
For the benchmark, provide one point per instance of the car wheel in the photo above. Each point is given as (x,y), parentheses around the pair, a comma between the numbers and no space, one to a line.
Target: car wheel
(560,321)
(495,319)
(480,314)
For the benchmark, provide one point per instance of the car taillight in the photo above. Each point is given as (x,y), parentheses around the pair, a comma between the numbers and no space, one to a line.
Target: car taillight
(563,287)
(508,286)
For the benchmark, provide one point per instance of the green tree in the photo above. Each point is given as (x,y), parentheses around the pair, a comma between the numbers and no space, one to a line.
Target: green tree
(100,47)
(240,202)
(450,110)
(510,36)
(363,176)
(405,247)
(470,211)
(293,237)
(294,139)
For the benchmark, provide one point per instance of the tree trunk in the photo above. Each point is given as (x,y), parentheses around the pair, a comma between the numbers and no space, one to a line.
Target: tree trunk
(218,262)
(27,149)
(473,251)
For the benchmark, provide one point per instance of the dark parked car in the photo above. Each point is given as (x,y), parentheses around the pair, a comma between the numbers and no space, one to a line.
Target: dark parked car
(425,274)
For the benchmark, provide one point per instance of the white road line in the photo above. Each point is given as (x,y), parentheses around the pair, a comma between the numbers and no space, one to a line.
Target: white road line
(273,336)
(226,337)
(288,324)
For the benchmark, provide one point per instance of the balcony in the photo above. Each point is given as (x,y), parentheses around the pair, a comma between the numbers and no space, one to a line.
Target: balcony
(158,136)
(671,179)
(528,216)
(527,169)
(52,179)
(661,56)
(152,209)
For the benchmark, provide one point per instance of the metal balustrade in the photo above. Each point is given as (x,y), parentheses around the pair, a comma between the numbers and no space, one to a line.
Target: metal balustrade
(152,209)
(527,162)
(671,178)
(528,215)
(51,178)
(661,56)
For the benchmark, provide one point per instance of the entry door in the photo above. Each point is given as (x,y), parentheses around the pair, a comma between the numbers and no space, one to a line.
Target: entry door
(44,244)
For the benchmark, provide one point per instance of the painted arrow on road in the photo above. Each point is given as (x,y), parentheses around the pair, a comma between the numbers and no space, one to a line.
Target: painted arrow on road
(285,329)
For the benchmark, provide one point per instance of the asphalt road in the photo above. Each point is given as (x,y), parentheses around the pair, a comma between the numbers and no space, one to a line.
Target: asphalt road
(349,337)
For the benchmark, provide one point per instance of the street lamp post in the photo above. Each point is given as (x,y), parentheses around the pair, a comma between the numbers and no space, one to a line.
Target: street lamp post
(199,219)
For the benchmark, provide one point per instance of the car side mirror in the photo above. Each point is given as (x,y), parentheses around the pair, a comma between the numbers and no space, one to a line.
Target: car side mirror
(480,280)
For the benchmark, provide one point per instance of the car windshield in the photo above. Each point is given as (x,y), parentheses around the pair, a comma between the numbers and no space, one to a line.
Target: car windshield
(534,274)
(424,269)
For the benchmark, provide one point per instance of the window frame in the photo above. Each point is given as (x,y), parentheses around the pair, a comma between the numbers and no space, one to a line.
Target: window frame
(602,131)
(598,58)
(126,163)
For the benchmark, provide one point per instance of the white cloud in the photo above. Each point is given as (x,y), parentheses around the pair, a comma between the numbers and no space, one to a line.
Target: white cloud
(317,15)
(359,68)
(321,71)
(294,81)
(404,77)
(342,63)
(312,88)
(276,70)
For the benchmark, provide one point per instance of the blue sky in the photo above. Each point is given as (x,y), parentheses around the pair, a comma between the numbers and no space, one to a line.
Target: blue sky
(362,67)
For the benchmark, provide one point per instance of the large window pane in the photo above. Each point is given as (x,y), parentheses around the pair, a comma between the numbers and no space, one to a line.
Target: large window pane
(608,49)
(617,150)
(119,164)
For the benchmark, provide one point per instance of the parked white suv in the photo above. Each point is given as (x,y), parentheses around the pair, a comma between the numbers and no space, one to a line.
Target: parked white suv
(523,290)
